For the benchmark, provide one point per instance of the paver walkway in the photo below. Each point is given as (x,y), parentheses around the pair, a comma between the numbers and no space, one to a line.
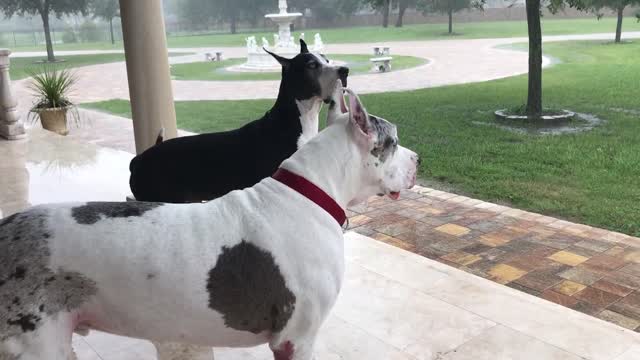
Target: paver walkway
(591,270)
(451,62)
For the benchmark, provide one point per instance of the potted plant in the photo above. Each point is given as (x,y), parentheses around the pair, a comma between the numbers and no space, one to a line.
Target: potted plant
(51,87)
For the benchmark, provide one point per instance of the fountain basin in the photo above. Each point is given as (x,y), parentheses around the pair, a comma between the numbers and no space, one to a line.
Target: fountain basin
(280,18)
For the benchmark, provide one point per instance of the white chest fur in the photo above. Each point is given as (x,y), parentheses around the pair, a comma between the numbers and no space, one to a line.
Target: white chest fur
(309,111)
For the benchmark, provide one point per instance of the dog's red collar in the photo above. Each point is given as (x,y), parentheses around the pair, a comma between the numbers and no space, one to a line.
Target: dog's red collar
(311,192)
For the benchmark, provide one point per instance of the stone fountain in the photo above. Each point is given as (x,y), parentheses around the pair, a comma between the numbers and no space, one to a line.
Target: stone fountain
(283,43)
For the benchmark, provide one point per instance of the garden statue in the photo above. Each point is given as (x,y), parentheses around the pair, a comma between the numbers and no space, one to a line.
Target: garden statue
(252,46)
(317,43)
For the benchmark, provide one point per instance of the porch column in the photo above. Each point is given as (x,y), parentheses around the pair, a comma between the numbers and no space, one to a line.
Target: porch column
(11,127)
(145,49)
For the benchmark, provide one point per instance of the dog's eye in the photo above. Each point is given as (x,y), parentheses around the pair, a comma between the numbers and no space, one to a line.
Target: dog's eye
(312,65)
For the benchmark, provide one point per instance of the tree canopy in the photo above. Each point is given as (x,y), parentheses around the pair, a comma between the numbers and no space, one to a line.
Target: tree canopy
(44,8)
(596,6)
(107,10)
(448,7)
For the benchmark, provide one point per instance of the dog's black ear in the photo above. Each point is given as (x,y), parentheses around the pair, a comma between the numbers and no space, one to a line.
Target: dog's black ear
(283,61)
(303,47)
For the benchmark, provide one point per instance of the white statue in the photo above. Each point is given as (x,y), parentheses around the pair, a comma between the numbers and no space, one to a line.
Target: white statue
(252,46)
(317,42)
(282,5)
(265,42)
(276,40)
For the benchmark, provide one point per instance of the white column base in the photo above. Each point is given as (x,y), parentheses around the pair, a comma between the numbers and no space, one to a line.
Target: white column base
(13,131)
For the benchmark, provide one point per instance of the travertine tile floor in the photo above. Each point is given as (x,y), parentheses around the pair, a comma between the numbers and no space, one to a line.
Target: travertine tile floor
(397,304)
(591,270)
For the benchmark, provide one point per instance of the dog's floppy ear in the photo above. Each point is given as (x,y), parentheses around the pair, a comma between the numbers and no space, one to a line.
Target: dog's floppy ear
(358,114)
(283,61)
(303,47)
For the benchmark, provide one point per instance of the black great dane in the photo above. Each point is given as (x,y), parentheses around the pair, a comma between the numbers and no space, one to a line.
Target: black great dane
(207,166)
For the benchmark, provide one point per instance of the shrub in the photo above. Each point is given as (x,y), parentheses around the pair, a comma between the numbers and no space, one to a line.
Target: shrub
(69,36)
(89,32)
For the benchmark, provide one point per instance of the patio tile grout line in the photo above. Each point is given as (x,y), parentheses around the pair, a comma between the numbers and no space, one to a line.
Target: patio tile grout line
(495,322)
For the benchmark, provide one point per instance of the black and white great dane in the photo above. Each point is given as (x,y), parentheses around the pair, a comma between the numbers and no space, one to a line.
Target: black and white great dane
(204,167)
(259,265)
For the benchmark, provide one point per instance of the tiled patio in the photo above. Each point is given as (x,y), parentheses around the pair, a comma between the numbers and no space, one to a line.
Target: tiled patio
(396,304)
(591,270)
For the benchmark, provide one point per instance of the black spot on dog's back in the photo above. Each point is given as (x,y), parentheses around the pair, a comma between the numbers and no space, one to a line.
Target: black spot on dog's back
(92,212)
(18,273)
(26,322)
(248,289)
(27,282)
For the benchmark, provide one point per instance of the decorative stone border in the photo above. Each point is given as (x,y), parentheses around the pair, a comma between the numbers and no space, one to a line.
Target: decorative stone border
(574,228)
(566,115)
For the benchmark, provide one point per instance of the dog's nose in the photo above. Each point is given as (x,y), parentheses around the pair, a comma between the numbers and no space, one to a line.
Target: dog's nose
(417,160)
(343,72)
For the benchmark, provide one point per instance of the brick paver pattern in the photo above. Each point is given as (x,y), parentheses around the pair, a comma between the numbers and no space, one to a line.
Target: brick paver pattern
(587,269)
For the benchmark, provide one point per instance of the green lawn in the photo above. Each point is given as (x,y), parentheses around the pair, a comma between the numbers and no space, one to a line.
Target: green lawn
(212,70)
(21,67)
(588,177)
(494,29)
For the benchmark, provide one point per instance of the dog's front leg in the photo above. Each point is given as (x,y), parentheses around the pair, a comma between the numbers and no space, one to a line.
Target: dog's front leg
(294,345)
(177,351)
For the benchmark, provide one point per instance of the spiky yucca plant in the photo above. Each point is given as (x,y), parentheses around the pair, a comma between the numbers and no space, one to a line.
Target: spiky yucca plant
(52,86)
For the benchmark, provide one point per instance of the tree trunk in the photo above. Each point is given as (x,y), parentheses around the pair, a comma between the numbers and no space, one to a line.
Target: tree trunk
(47,35)
(534,97)
(385,13)
(619,25)
(234,24)
(450,18)
(113,40)
(402,7)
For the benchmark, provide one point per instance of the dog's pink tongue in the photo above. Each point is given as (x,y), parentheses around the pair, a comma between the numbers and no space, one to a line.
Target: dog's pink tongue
(394,195)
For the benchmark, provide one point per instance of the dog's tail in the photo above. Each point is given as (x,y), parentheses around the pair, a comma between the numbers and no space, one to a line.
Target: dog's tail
(160,137)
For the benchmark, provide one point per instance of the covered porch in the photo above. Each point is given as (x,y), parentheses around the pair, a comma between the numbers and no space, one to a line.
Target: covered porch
(395,304)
